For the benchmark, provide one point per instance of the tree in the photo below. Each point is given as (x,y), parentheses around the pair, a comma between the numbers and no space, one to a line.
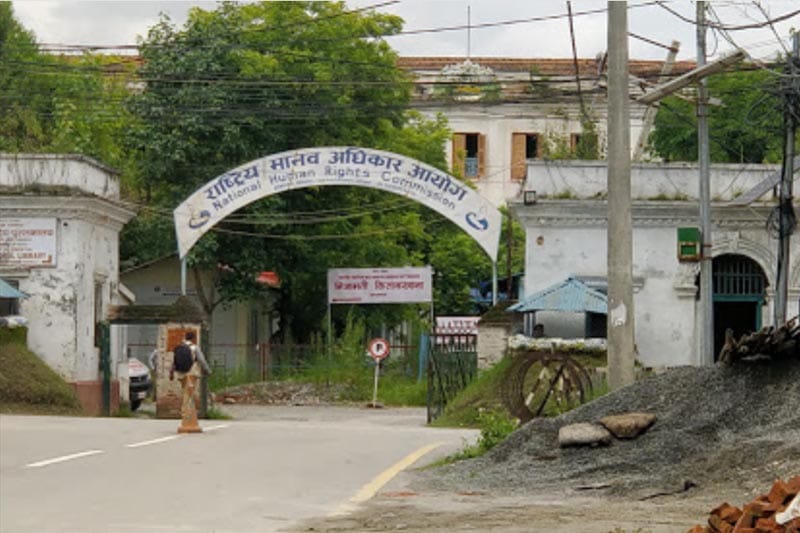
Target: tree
(247,80)
(55,104)
(746,128)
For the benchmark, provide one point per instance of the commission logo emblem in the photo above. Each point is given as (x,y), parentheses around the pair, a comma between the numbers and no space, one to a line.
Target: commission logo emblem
(198,221)
(477,221)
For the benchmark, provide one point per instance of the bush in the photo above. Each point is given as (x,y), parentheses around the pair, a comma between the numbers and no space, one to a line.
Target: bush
(495,427)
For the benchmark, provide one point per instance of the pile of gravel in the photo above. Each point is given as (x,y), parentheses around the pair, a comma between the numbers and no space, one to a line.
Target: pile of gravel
(715,425)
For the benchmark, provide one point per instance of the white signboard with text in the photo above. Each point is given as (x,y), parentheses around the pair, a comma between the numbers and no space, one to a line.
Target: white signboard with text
(28,242)
(380,285)
(338,165)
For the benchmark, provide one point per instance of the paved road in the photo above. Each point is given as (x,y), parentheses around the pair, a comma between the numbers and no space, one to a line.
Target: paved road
(264,471)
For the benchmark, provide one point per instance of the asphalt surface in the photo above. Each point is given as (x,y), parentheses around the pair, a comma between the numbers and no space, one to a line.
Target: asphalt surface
(266,470)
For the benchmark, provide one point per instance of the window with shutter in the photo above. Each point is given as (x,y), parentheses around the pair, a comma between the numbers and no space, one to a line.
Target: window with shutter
(459,153)
(469,155)
(524,146)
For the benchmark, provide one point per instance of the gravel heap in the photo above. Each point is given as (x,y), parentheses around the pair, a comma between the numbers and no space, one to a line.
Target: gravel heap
(737,425)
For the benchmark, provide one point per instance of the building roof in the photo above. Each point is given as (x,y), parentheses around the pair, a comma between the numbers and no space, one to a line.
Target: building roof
(543,66)
(569,295)
(7,291)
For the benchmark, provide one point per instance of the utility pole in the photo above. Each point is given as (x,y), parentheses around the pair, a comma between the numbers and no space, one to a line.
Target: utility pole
(785,213)
(706,329)
(621,356)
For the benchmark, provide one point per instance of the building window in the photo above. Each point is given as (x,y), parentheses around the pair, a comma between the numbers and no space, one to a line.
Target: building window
(524,146)
(469,155)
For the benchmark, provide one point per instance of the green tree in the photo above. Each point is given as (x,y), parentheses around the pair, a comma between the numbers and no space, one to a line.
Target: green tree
(68,104)
(247,80)
(747,127)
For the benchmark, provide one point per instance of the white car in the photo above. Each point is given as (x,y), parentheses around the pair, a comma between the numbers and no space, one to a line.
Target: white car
(140,382)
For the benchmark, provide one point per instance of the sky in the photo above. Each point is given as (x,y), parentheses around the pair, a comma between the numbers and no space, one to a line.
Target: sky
(510,31)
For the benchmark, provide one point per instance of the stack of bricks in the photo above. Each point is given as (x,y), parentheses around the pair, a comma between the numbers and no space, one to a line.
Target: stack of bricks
(757,516)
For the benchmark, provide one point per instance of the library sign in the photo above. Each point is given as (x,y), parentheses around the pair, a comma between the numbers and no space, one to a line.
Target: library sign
(337,165)
(28,242)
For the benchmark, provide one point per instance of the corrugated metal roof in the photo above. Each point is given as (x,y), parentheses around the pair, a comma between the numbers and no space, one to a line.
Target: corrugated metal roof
(7,291)
(569,295)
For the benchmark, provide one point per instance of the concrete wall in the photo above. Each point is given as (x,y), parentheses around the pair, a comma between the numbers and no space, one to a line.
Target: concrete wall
(492,343)
(649,181)
(59,170)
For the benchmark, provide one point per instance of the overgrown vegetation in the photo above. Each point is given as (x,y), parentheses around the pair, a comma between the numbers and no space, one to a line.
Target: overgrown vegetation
(495,427)
(27,384)
(344,369)
(482,395)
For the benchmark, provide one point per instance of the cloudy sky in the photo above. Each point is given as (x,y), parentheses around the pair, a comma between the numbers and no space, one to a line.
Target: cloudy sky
(510,28)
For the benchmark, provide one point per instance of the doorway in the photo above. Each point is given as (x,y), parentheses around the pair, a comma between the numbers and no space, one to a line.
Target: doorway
(739,294)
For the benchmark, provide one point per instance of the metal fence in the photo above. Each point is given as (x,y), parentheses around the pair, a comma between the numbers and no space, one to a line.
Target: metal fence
(269,360)
(452,364)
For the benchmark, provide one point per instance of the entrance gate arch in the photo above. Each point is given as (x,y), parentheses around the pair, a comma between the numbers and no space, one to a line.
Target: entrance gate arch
(338,165)
(740,286)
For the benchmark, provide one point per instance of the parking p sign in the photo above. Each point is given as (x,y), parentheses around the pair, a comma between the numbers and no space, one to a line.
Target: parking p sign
(378,348)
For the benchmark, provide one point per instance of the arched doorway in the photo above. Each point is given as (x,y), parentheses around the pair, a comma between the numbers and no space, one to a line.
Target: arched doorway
(739,292)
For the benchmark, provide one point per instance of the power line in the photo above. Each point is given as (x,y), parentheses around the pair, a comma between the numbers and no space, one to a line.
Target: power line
(728,27)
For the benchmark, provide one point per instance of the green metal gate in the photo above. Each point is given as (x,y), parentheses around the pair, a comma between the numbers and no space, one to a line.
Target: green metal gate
(739,286)
(452,365)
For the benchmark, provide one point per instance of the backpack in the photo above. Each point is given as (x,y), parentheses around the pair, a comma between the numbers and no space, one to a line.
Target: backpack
(184,357)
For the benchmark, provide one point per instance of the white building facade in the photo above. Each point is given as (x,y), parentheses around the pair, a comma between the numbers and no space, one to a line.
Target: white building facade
(566,236)
(60,219)
(506,111)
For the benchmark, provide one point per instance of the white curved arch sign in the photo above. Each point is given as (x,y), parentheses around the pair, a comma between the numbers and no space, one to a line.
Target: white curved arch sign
(337,165)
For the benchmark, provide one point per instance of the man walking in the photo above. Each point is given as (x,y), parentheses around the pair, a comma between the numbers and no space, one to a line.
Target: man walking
(188,365)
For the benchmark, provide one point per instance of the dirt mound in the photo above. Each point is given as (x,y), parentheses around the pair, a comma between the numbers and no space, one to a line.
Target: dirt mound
(722,424)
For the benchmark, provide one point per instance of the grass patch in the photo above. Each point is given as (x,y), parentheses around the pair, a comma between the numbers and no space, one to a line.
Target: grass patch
(28,385)
(495,427)
(480,396)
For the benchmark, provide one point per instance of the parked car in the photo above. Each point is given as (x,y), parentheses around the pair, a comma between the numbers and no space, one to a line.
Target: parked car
(140,382)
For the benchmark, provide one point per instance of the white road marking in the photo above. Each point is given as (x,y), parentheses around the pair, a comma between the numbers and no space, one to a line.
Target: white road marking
(149,442)
(370,489)
(63,458)
(214,428)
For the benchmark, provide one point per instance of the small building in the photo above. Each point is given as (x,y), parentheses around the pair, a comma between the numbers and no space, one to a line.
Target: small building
(239,330)
(60,218)
(564,213)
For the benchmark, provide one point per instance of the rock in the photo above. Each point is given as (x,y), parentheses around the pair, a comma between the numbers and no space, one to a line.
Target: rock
(583,434)
(629,425)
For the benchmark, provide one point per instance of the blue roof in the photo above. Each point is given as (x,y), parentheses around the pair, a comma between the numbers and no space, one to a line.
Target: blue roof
(7,291)
(570,295)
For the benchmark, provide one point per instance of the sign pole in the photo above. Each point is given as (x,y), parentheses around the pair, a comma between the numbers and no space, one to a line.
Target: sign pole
(378,349)
(375,386)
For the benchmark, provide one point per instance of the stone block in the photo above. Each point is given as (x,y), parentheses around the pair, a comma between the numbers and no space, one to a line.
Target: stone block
(628,425)
(583,434)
